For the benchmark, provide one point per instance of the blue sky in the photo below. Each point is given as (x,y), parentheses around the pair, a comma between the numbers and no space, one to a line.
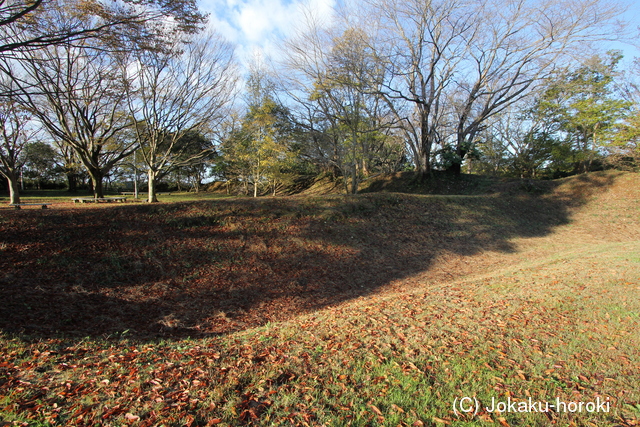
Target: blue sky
(256,26)
(631,48)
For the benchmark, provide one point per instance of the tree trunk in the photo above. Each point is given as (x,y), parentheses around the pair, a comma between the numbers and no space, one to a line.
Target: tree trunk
(14,187)
(96,183)
(72,180)
(345,180)
(153,198)
(354,161)
(365,158)
(423,162)
(593,149)
(456,166)
(354,178)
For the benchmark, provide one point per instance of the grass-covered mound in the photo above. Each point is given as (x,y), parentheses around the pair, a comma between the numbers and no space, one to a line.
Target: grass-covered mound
(379,309)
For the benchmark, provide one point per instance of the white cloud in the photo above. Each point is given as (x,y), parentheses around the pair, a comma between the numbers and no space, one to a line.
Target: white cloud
(224,28)
(257,25)
(324,9)
(259,21)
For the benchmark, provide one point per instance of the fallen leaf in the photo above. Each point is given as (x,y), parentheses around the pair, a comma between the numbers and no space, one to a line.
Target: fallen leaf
(375,409)
(129,416)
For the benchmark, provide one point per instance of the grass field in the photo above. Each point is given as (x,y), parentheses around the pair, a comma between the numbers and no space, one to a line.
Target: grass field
(382,309)
(63,197)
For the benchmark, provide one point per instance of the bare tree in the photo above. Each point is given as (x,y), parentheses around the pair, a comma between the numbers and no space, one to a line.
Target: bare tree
(456,63)
(16,131)
(335,78)
(25,24)
(420,43)
(77,94)
(172,94)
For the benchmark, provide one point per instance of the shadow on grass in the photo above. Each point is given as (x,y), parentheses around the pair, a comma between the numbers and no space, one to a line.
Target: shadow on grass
(192,269)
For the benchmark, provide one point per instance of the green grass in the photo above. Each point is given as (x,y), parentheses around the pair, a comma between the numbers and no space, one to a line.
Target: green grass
(402,359)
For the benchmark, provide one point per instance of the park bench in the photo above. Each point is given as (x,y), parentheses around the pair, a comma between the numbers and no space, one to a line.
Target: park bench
(83,200)
(131,193)
(19,205)
(98,200)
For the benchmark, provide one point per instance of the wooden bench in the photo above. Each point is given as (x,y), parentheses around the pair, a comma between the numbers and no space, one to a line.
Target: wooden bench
(98,200)
(18,205)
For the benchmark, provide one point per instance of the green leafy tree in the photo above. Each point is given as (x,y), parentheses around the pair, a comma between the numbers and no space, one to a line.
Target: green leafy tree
(493,155)
(624,149)
(587,108)
(260,151)
(191,165)
(42,163)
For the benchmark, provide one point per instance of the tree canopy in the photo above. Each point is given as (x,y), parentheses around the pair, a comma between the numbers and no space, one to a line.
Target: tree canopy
(494,86)
(31,24)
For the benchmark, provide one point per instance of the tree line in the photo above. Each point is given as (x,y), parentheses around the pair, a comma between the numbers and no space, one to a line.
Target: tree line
(490,86)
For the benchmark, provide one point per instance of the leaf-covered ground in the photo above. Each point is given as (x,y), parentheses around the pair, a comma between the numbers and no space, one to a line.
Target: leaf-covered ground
(381,309)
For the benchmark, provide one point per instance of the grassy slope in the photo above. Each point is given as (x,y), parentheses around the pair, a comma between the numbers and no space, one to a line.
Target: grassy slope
(382,309)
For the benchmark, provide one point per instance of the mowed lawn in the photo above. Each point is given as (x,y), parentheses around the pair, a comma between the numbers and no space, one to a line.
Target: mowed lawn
(518,308)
